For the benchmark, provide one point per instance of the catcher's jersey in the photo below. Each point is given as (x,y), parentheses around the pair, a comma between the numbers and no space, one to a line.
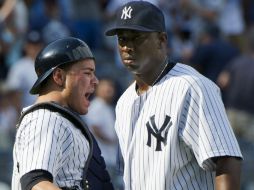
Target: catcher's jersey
(46,140)
(169,134)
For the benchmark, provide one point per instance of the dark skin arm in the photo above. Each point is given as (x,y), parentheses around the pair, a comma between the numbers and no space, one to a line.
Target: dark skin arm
(228,172)
(45,185)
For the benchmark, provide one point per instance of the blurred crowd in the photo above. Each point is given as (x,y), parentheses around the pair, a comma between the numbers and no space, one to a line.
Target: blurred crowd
(214,36)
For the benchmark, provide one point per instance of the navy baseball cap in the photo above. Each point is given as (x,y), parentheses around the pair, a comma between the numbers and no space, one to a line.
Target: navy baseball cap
(138,15)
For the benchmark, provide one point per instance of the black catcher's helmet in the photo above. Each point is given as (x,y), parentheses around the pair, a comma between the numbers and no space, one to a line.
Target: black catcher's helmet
(59,52)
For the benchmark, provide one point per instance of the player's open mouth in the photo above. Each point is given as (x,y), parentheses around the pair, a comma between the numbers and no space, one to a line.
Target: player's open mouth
(87,95)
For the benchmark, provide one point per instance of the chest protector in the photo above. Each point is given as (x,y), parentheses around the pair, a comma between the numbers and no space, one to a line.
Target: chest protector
(95,175)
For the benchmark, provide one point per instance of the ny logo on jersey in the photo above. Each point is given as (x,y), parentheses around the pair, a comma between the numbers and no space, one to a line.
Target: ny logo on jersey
(157,133)
(126,13)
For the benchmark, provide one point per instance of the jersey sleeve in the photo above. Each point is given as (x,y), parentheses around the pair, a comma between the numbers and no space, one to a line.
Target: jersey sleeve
(205,127)
(43,142)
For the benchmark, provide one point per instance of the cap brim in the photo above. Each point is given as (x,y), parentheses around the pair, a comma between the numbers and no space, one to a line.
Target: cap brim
(37,85)
(113,31)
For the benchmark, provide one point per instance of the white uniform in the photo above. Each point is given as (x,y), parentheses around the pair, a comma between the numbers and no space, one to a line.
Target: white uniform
(169,134)
(46,140)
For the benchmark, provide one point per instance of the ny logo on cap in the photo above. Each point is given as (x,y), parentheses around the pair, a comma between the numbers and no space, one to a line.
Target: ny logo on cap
(126,13)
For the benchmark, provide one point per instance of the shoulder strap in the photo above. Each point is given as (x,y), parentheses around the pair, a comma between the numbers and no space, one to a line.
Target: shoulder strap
(72,117)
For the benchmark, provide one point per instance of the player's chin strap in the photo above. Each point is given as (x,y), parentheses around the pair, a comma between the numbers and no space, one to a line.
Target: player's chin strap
(77,122)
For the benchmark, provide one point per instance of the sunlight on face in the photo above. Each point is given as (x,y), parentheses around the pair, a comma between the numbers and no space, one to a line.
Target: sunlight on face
(80,84)
(138,50)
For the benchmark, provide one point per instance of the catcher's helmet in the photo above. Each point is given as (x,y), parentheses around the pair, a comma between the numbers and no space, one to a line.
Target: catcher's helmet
(59,52)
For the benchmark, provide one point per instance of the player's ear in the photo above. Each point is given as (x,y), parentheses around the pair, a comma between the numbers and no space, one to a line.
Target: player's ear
(59,76)
(162,39)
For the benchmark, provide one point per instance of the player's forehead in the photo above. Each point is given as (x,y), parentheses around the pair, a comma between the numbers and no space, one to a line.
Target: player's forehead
(86,64)
(128,32)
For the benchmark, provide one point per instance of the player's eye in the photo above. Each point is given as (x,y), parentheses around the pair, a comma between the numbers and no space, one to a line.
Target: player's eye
(88,73)
(140,38)
(122,40)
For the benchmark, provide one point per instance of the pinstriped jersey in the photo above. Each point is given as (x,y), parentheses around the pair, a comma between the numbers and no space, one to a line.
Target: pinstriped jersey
(46,140)
(169,135)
